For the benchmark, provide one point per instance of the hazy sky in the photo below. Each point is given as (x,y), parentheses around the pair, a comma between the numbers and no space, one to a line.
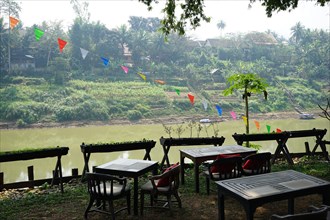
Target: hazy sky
(235,14)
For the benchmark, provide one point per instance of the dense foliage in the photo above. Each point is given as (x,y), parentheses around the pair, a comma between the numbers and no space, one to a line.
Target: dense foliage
(65,87)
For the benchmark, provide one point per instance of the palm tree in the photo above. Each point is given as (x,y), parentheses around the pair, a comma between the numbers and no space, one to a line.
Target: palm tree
(297,32)
(221,25)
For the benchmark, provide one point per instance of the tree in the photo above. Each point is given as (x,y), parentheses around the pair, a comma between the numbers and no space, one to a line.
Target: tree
(250,83)
(297,32)
(193,12)
(221,25)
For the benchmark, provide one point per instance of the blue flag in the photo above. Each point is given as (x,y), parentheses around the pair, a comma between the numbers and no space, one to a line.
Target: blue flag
(219,109)
(105,61)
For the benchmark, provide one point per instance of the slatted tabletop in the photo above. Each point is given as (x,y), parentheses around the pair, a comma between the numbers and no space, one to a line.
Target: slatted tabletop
(207,151)
(271,183)
(253,191)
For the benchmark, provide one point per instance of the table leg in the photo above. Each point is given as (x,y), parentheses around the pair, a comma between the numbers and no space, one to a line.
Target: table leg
(182,168)
(196,172)
(249,210)
(136,195)
(326,198)
(221,206)
(291,206)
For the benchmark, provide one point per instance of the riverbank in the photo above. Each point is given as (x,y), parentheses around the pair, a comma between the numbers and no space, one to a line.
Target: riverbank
(159,120)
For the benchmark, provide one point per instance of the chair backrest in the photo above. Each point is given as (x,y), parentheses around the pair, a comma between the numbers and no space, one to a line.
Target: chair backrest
(320,214)
(172,177)
(257,163)
(226,168)
(103,186)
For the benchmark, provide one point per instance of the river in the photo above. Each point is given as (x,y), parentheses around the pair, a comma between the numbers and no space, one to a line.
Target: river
(73,137)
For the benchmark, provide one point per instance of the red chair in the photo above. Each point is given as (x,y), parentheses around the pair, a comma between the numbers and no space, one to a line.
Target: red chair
(225,167)
(256,164)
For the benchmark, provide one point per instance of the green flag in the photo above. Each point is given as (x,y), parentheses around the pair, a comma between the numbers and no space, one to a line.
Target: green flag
(38,33)
(268,128)
(177,91)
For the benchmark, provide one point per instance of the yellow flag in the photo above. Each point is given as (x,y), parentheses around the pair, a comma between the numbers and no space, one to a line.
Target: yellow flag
(143,76)
(13,22)
(245,120)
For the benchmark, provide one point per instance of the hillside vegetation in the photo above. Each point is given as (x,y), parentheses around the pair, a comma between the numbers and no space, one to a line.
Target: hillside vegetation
(64,87)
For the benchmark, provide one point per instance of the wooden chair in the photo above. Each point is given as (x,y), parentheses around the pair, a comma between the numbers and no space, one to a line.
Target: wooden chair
(256,164)
(104,188)
(165,184)
(322,213)
(223,168)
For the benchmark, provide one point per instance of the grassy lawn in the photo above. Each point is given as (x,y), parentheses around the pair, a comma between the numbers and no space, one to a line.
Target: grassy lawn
(49,203)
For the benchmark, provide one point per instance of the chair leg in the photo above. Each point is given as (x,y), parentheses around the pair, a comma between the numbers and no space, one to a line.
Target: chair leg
(169,201)
(112,211)
(207,185)
(91,201)
(128,200)
(176,194)
(142,202)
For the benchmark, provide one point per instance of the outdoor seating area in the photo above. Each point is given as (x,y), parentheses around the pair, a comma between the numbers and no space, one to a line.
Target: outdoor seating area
(234,171)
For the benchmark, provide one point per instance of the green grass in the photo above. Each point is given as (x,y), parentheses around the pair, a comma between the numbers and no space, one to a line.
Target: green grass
(76,194)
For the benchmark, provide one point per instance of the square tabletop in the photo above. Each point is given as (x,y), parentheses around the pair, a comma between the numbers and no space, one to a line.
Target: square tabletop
(127,166)
(253,191)
(213,151)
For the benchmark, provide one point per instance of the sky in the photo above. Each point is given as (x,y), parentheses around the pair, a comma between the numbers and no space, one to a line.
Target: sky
(235,13)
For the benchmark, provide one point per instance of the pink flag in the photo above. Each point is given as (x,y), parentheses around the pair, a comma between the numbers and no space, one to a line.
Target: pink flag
(233,115)
(125,68)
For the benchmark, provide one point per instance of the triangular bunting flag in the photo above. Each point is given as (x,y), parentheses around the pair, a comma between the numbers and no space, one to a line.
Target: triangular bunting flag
(177,91)
(219,109)
(245,120)
(268,128)
(191,98)
(257,124)
(105,61)
(83,52)
(38,34)
(233,115)
(125,68)
(61,44)
(13,22)
(142,76)
(278,130)
(161,82)
(205,104)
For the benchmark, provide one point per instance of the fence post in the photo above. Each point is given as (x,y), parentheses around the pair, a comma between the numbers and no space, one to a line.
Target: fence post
(308,152)
(1,181)
(74,172)
(31,176)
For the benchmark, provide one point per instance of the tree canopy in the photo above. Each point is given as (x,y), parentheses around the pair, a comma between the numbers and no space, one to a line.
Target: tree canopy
(193,12)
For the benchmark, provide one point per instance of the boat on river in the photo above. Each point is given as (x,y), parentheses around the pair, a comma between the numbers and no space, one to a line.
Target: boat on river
(306,116)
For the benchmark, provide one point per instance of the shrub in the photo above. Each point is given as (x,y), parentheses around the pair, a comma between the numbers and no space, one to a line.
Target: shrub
(134,115)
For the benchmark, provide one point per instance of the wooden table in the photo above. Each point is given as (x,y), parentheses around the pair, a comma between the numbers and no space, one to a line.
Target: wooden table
(253,191)
(167,143)
(129,168)
(199,155)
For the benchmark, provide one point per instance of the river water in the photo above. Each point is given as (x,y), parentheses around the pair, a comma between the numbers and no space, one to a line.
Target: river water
(73,137)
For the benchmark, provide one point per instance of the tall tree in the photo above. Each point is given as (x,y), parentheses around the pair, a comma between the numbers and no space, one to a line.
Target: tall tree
(249,83)
(192,12)
(221,25)
(297,32)
(9,8)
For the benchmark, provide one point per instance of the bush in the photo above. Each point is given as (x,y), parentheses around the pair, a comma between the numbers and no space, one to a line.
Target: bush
(134,115)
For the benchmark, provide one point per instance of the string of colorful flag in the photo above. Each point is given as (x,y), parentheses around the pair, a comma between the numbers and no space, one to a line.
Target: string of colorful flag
(62,43)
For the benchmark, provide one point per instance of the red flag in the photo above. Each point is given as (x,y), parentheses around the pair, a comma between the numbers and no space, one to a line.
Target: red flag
(191,98)
(278,130)
(13,22)
(61,44)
